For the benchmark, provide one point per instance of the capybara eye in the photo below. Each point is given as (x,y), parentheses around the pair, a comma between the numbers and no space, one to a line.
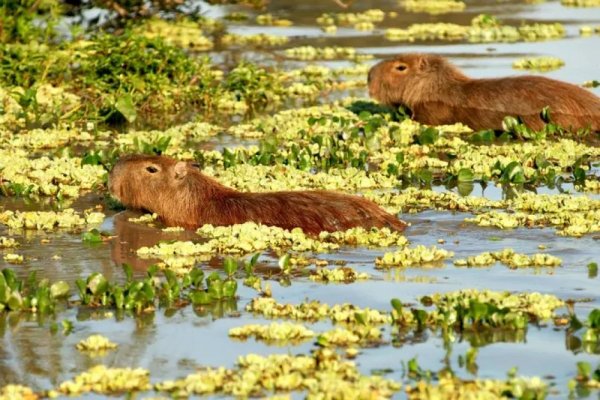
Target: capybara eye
(195,165)
(151,169)
(401,67)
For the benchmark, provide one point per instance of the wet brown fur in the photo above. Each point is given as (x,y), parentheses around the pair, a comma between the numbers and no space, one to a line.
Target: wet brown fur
(182,196)
(439,93)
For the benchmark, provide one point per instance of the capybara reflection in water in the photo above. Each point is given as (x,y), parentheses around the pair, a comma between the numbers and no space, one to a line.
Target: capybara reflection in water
(182,196)
(438,93)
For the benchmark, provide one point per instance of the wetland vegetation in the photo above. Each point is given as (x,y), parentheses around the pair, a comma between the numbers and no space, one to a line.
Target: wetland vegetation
(491,292)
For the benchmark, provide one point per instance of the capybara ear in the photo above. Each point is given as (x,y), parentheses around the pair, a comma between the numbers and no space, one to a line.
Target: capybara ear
(180,170)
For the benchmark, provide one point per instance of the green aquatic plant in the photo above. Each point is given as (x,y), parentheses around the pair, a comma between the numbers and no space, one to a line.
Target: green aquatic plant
(147,294)
(32,295)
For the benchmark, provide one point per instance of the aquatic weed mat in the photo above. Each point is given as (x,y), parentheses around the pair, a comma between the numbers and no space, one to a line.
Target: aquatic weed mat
(491,292)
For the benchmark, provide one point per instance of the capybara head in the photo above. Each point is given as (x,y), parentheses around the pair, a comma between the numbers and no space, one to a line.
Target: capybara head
(149,182)
(409,78)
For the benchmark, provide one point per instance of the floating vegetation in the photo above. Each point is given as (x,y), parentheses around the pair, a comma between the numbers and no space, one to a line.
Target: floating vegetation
(453,387)
(539,63)
(9,392)
(56,177)
(483,29)
(251,237)
(30,295)
(322,372)
(8,243)
(535,305)
(510,258)
(258,40)
(433,6)
(103,380)
(315,311)
(274,332)
(580,3)
(362,21)
(96,344)
(13,258)
(309,53)
(181,33)
(49,220)
(339,274)
(411,257)
(271,20)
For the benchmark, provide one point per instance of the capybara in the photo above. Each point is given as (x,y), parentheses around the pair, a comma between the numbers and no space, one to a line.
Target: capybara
(183,196)
(438,93)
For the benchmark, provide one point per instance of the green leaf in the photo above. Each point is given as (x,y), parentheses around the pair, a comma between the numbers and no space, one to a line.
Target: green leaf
(397,305)
(92,236)
(465,188)
(15,301)
(97,284)
(594,319)
(513,173)
(284,263)
(428,136)
(199,297)
(229,288)
(230,266)
(59,289)
(360,318)
(584,369)
(510,123)
(465,175)
(579,175)
(126,107)
(592,270)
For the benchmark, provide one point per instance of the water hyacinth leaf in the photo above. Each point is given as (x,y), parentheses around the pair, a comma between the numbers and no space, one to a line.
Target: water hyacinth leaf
(92,236)
(592,270)
(59,289)
(230,266)
(11,279)
(4,294)
(200,297)
(229,288)
(397,305)
(360,318)
(510,123)
(584,369)
(284,263)
(465,188)
(594,319)
(15,301)
(465,175)
(513,173)
(215,289)
(425,176)
(97,284)
(126,107)
(483,137)
(128,270)
(545,115)
(579,175)
(119,297)
(428,136)
(196,276)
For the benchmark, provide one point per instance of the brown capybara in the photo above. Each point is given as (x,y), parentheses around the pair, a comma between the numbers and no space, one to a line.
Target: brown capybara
(438,93)
(182,196)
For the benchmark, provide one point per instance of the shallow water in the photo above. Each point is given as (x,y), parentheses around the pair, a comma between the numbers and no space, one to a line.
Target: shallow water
(172,346)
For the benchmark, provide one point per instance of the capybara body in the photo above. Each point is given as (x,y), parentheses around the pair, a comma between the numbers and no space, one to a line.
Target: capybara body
(182,196)
(438,93)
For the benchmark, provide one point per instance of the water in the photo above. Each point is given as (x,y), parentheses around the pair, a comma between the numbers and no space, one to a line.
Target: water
(172,346)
